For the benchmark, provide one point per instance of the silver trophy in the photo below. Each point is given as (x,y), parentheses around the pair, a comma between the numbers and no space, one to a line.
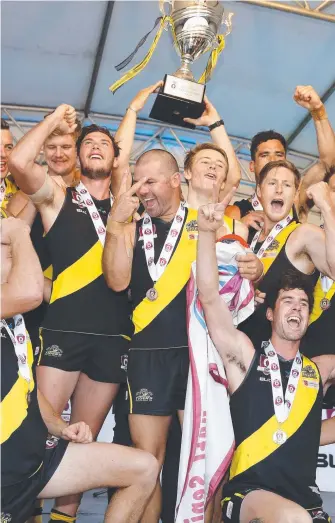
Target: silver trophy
(195,25)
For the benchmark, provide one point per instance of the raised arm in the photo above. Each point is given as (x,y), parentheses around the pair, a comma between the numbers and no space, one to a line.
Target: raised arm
(117,258)
(235,349)
(320,244)
(125,134)
(22,278)
(307,97)
(220,137)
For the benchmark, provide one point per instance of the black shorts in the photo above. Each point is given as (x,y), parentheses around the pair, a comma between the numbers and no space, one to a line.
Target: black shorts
(231,507)
(101,358)
(157,380)
(18,501)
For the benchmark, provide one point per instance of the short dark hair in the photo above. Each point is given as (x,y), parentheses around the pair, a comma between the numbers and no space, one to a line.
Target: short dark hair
(274,165)
(88,129)
(4,125)
(172,163)
(329,173)
(292,279)
(265,136)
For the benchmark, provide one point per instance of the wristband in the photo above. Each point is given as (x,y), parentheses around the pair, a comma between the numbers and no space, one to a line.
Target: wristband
(132,109)
(215,124)
(319,114)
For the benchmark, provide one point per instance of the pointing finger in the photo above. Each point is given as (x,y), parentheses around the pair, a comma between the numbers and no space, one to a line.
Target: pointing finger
(137,185)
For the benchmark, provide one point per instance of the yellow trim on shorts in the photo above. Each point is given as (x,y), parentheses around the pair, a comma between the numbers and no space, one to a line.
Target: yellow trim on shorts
(41,348)
(130,398)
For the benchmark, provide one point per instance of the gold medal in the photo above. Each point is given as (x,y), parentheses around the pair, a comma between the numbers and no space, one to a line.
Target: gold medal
(152,294)
(325,304)
(279,437)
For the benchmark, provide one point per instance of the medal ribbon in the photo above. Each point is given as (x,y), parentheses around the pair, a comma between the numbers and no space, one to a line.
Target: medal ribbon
(2,191)
(93,212)
(326,283)
(19,339)
(156,269)
(256,204)
(271,236)
(282,404)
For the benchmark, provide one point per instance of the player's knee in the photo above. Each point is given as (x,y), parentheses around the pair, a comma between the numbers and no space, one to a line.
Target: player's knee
(148,469)
(294,515)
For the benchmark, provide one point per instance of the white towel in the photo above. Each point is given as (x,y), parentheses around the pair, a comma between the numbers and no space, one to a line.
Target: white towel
(208,437)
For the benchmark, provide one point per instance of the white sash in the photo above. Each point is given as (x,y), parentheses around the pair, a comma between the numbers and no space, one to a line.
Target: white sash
(282,403)
(256,204)
(93,212)
(271,236)
(19,339)
(156,269)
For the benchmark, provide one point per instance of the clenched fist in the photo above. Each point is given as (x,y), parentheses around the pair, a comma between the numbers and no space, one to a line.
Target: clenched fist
(307,97)
(66,115)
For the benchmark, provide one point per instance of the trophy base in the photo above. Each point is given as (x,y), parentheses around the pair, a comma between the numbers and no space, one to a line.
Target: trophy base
(178,99)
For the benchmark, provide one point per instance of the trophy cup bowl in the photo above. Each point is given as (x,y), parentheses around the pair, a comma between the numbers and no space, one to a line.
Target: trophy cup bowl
(195,25)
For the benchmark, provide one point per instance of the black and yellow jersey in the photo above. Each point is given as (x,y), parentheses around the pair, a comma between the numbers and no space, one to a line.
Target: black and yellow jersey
(320,335)
(10,189)
(80,299)
(161,324)
(258,463)
(23,432)
(257,327)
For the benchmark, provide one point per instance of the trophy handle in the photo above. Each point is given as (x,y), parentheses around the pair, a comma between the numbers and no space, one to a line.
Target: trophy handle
(227,21)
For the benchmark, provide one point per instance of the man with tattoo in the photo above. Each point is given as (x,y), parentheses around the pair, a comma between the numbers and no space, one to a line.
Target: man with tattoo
(276,395)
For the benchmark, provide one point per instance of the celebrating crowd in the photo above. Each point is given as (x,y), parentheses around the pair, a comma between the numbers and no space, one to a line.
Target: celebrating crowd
(96,277)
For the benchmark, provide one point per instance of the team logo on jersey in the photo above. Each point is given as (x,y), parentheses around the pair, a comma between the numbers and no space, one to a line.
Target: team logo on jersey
(5,517)
(192,226)
(144,395)
(53,351)
(20,338)
(309,372)
(263,365)
(274,245)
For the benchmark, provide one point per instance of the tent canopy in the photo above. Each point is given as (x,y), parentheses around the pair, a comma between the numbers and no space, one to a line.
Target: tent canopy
(65,51)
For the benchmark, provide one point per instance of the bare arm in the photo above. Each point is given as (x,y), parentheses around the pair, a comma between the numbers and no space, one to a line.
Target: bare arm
(47,288)
(21,207)
(327,432)
(77,432)
(314,175)
(320,245)
(126,132)
(234,347)
(22,289)
(117,258)
(220,137)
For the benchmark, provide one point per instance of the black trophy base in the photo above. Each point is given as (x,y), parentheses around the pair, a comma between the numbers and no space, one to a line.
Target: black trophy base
(178,99)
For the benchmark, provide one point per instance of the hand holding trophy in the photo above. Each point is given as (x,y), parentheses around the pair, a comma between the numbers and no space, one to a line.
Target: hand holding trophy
(195,25)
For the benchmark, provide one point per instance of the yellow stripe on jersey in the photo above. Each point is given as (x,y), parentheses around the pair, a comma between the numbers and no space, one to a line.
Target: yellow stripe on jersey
(80,274)
(260,444)
(10,190)
(319,295)
(173,279)
(279,242)
(48,272)
(14,406)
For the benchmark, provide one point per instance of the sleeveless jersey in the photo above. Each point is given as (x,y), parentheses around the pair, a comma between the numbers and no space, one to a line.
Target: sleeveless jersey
(23,433)
(288,469)
(257,327)
(168,328)
(10,190)
(319,338)
(80,299)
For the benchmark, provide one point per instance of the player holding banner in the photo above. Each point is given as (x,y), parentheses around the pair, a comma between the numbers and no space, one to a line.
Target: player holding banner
(272,475)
